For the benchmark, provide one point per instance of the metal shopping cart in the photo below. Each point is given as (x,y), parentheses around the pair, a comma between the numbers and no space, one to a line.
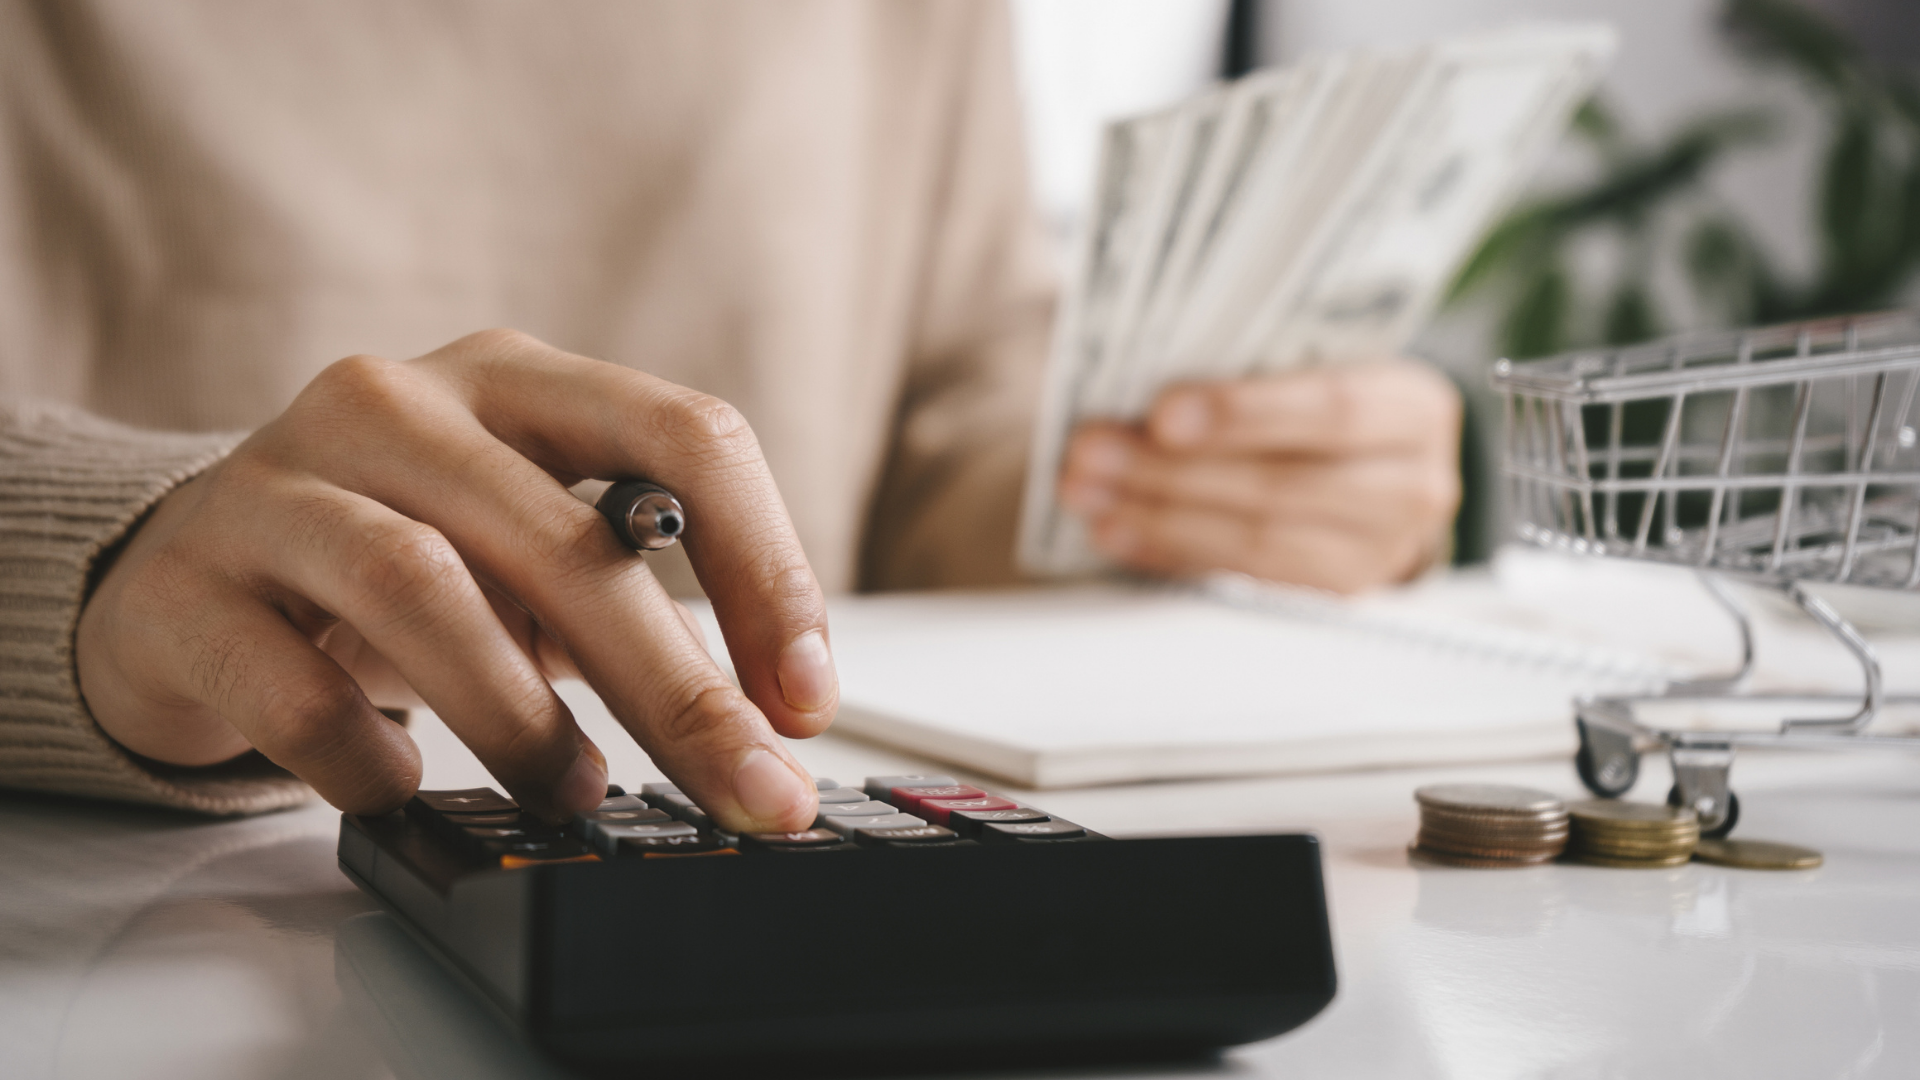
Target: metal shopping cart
(1776,456)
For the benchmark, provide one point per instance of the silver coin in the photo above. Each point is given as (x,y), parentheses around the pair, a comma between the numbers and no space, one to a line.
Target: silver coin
(1505,798)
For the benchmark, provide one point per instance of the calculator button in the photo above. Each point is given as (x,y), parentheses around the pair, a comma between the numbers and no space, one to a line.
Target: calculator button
(803,838)
(508,832)
(682,807)
(513,818)
(938,810)
(969,822)
(629,817)
(842,795)
(531,847)
(915,834)
(616,831)
(906,798)
(689,844)
(869,808)
(621,802)
(614,791)
(821,783)
(880,787)
(662,788)
(478,800)
(1002,831)
(846,825)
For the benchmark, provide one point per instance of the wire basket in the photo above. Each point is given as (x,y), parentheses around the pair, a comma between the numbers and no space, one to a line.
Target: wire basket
(1778,456)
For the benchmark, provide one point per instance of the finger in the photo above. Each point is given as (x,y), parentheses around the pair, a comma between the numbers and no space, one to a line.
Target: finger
(1368,492)
(293,703)
(1335,410)
(580,417)
(1187,540)
(404,588)
(526,534)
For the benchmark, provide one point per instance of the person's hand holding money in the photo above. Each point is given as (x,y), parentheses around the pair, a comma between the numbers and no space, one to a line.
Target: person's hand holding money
(1343,478)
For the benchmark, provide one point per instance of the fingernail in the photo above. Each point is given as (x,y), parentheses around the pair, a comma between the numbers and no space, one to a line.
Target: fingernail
(1098,457)
(1083,497)
(770,792)
(584,785)
(807,679)
(1183,420)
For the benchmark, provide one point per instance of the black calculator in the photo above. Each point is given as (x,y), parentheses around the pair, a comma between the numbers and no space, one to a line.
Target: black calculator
(920,925)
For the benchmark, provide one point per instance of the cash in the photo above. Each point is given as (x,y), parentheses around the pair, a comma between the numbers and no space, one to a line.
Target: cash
(1488,826)
(1299,216)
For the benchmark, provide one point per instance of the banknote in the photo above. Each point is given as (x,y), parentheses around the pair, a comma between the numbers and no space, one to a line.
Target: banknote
(1303,215)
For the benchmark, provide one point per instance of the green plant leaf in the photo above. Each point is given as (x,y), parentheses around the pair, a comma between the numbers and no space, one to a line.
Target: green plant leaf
(1631,317)
(1509,247)
(1789,33)
(1537,324)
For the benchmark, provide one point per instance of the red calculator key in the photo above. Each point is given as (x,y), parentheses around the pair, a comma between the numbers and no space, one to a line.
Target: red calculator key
(938,810)
(906,798)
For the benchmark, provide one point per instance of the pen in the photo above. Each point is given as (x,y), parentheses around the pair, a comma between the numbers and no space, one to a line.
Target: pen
(644,515)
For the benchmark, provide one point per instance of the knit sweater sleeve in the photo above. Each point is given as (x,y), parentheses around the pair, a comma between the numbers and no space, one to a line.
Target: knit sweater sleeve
(71,487)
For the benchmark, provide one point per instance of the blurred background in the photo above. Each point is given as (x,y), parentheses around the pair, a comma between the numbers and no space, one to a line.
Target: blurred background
(1745,161)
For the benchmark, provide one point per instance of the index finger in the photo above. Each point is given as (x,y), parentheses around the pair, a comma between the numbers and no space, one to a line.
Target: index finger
(1363,408)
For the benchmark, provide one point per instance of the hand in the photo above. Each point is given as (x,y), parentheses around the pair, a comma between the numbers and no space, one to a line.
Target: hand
(410,523)
(1341,478)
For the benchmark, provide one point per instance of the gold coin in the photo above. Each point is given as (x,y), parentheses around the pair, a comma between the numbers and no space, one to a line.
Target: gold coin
(1629,864)
(1471,829)
(1757,855)
(1449,859)
(1488,851)
(1496,798)
(1627,815)
(1664,852)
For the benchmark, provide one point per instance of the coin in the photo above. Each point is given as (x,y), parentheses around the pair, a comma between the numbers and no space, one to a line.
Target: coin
(1629,864)
(1446,858)
(1613,812)
(1757,855)
(1484,798)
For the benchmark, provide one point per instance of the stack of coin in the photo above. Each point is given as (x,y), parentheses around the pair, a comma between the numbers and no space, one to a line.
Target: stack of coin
(1607,832)
(1489,825)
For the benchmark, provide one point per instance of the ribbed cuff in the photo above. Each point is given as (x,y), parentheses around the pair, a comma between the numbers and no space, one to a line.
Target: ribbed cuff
(71,485)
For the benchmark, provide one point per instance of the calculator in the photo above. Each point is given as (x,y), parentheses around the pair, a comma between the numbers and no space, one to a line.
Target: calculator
(920,925)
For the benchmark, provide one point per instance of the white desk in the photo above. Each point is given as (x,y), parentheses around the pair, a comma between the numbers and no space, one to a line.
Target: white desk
(136,945)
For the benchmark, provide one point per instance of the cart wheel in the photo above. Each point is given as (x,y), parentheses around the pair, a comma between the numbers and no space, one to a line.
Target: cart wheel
(1720,830)
(1611,773)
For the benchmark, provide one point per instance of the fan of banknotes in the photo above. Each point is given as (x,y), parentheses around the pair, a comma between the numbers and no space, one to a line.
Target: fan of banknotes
(1302,215)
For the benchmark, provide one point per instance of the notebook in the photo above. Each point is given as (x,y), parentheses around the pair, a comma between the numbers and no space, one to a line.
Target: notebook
(1098,684)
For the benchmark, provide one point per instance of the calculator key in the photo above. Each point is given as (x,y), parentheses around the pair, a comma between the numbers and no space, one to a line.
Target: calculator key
(621,802)
(926,845)
(619,830)
(1002,831)
(913,834)
(842,795)
(690,844)
(908,798)
(846,825)
(628,817)
(533,847)
(881,787)
(821,783)
(803,838)
(938,810)
(478,800)
(538,858)
(513,818)
(969,822)
(662,788)
(682,807)
(508,832)
(614,791)
(868,808)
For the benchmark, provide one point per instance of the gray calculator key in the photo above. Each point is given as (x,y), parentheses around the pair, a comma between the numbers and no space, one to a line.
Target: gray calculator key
(661,788)
(920,834)
(842,795)
(467,801)
(1003,831)
(879,787)
(863,808)
(969,822)
(645,815)
(845,826)
(682,807)
(621,802)
(608,837)
(821,783)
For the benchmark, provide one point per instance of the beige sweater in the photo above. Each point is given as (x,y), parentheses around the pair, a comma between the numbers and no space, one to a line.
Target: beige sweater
(815,209)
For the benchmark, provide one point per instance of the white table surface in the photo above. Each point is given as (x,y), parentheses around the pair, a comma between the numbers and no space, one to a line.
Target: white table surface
(135,944)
